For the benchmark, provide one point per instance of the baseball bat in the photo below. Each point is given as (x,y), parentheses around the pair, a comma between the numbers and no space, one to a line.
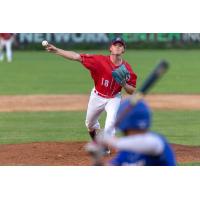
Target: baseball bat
(151,79)
(155,75)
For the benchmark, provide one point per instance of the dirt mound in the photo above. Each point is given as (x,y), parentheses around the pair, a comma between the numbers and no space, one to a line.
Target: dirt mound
(69,154)
(79,102)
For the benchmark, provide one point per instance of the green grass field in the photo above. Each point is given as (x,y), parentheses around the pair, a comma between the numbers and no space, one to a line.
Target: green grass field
(181,127)
(44,73)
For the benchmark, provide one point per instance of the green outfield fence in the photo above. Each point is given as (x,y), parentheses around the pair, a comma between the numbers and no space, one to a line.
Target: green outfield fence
(33,41)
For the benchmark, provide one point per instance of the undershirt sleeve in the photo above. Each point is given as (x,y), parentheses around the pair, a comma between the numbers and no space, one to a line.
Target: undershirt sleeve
(145,144)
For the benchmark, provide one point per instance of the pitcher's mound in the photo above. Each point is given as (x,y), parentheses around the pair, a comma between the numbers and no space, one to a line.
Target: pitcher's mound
(69,154)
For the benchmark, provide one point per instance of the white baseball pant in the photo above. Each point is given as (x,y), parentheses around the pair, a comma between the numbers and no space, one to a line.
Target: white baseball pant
(8,45)
(96,106)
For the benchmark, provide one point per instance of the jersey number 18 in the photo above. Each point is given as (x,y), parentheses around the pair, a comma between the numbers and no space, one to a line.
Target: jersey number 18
(105,82)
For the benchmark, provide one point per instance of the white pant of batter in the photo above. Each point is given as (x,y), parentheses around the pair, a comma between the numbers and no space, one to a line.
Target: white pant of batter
(8,45)
(96,106)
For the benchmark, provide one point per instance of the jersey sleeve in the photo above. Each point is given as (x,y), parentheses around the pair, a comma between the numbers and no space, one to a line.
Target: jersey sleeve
(148,144)
(133,77)
(90,61)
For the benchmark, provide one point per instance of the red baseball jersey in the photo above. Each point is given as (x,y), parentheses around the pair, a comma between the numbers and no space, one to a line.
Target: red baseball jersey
(6,36)
(101,68)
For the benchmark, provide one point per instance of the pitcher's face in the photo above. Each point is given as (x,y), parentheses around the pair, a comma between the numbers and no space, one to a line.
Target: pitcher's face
(117,49)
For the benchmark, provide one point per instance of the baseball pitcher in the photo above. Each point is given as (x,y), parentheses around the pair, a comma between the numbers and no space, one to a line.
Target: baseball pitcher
(110,74)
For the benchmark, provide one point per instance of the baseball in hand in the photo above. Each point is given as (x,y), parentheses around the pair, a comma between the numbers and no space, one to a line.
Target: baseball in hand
(44,43)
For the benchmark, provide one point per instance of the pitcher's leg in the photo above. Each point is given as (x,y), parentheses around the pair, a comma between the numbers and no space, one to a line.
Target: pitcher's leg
(96,106)
(111,109)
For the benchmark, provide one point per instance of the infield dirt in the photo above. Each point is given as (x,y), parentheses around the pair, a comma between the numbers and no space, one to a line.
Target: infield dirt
(79,102)
(69,154)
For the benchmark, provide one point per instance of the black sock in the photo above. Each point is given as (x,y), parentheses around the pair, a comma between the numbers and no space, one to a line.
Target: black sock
(92,134)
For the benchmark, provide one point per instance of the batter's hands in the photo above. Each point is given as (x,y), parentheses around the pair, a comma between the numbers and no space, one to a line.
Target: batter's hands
(51,48)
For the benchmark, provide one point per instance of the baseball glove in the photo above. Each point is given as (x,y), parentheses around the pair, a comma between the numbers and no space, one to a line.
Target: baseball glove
(121,75)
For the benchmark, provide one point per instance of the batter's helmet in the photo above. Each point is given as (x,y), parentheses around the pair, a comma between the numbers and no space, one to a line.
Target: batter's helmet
(138,118)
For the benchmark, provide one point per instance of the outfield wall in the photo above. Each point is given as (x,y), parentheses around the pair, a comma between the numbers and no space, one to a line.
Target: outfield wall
(101,40)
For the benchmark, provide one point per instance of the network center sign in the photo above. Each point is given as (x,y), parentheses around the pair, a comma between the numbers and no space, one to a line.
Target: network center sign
(104,38)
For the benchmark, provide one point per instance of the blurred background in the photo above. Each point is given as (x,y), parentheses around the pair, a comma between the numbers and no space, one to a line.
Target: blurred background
(101,40)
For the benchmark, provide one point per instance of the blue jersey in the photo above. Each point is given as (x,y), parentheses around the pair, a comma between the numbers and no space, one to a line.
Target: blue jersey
(165,158)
